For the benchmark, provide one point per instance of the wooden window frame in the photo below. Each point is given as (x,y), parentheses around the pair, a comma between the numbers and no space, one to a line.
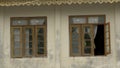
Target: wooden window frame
(24,41)
(12,42)
(83,40)
(72,54)
(22,36)
(92,26)
(45,41)
(109,39)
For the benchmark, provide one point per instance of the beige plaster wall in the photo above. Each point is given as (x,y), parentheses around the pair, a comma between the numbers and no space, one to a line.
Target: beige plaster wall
(87,62)
(29,62)
(117,35)
(57,36)
(1,40)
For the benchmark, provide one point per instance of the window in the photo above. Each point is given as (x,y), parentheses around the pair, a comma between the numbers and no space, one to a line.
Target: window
(89,35)
(28,37)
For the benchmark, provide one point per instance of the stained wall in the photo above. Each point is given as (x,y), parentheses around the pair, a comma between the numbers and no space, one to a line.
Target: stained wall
(58,36)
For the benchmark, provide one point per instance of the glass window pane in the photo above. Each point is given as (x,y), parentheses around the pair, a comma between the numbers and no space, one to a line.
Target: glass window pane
(87,43)
(107,38)
(107,45)
(40,21)
(106,28)
(99,19)
(28,52)
(16,34)
(75,50)
(40,51)
(40,44)
(108,48)
(87,29)
(75,43)
(28,34)
(17,52)
(107,42)
(16,38)
(87,32)
(87,50)
(41,37)
(19,22)
(28,45)
(75,33)
(16,44)
(87,36)
(93,19)
(16,31)
(75,40)
(41,31)
(78,20)
(28,37)
(28,31)
(107,35)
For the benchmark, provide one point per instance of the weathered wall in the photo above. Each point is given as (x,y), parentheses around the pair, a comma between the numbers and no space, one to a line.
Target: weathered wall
(86,62)
(117,35)
(48,62)
(1,40)
(57,37)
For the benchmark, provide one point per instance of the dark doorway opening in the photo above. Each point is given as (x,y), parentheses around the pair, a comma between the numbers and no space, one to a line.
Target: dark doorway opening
(99,41)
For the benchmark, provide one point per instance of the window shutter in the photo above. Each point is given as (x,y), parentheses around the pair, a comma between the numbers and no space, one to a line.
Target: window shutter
(107,38)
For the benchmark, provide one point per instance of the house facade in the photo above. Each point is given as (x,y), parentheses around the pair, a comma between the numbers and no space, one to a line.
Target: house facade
(58,35)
